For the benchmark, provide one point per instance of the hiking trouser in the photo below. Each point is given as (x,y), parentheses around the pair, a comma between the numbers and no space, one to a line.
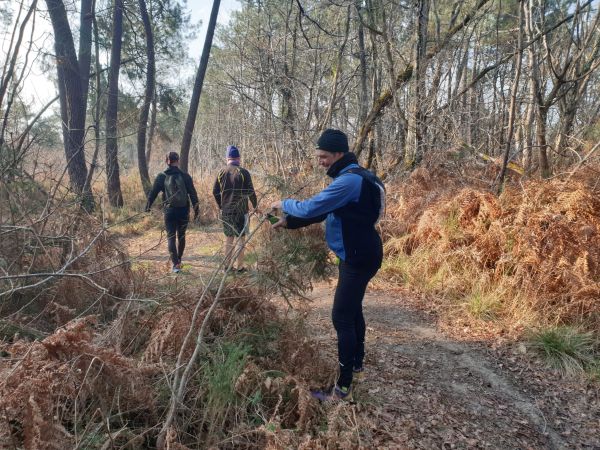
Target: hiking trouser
(348,319)
(176,222)
(235,224)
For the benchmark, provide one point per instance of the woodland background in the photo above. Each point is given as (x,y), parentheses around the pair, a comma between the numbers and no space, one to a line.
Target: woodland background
(482,118)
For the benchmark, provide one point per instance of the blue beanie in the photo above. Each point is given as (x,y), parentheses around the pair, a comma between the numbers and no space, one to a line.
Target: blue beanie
(333,141)
(232,152)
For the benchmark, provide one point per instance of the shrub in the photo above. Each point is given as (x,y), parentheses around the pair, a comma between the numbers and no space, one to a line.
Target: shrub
(535,250)
(566,349)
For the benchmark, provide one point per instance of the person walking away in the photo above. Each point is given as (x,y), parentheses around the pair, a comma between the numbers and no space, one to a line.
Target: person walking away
(232,190)
(351,205)
(178,191)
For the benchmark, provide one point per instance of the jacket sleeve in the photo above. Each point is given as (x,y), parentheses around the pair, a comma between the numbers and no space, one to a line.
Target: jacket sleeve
(157,187)
(249,189)
(340,192)
(191,190)
(296,222)
(217,189)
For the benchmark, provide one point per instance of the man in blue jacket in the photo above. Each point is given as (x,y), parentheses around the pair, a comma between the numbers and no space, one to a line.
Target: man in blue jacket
(351,205)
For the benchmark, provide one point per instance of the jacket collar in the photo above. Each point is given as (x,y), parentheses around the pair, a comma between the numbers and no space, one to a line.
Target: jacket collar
(172,169)
(340,166)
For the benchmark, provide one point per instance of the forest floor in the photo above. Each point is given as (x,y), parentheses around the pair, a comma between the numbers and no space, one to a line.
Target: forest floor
(426,387)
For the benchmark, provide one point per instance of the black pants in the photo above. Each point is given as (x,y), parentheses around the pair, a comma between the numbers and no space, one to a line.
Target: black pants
(176,222)
(348,320)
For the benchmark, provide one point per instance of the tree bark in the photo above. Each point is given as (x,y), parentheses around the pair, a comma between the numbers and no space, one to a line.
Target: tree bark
(363,93)
(96,113)
(528,131)
(150,142)
(286,88)
(402,122)
(190,122)
(113,181)
(541,120)
(416,119)
(513,101)
(85,46)
(72,106)
(541,111)
(148,95)
(377,109)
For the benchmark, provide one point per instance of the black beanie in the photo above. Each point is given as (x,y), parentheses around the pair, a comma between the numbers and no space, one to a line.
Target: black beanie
(333,141)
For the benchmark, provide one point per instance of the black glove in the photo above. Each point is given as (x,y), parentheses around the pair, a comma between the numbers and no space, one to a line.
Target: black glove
(196,212)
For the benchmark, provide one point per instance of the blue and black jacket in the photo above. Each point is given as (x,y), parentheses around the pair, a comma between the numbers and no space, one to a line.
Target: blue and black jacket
(352,205)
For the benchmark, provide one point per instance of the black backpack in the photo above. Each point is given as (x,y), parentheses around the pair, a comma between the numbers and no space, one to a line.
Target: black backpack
(375,181)
(176,195)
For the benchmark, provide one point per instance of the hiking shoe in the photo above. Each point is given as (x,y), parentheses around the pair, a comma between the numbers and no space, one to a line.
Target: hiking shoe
(176,268)
(242,270)
(335,394)
(358,374)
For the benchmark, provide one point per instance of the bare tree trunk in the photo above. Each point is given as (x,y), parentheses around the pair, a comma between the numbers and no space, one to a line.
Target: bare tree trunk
(148,94)
(190,122)
(568,112)
(416,119)
(375,87)
(72,105)
(96,113)
(541,111)
(464,112)
(115,196)
(513,101)
(541,120)
(312,93)
(85,46)
(528,132)
(475,98)
(363,93)
(371,152)
(289,114)
(377,109)
(391,69)
(569,102)
(152,129)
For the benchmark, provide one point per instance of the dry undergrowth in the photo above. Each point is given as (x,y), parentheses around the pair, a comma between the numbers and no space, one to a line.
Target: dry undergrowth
(530,256)
(100,378)
(83,385)
(58,263)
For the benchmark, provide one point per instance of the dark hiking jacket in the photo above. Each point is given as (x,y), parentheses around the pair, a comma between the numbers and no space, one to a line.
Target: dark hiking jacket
(232,190)
(159,186)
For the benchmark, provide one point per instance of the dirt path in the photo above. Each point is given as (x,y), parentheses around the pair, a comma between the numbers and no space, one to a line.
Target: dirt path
(424,389)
